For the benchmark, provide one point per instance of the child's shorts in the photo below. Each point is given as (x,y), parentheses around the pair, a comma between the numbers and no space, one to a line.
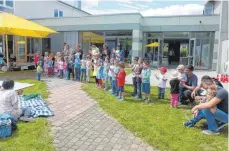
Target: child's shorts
(121,88)
(146,88)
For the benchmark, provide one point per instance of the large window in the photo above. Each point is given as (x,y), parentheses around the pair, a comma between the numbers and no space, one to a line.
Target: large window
(58,13)
(55,13)
(9,3)
(1,2)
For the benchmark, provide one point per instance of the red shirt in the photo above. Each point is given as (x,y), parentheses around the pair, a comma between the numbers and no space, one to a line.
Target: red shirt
(36,59)
(121,78)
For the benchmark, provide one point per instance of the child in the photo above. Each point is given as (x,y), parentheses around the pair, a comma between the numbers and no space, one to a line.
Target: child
(115,71)
(70,67)
(83,68)
(46,59)
(174,90)
(50,67)
(99,75)
(183,78)
(134,67)
(41,60)
(65,67)
(105,72)
(121,81)
(61,67)
(77,67)
(88,68)
(138,79)
(95,71)
(145,76)
(162,82)
(36,58)
(110,73)
(39,71)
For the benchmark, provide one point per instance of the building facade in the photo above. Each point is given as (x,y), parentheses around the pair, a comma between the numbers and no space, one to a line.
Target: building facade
(201,40)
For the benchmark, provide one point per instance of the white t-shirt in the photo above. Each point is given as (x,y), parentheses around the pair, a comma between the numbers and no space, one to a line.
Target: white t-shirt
(162,81)
(182,77)
(8,101)
(134,69)
(88,64)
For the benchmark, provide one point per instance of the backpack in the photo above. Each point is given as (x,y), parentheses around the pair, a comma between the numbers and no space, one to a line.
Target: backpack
(7,125)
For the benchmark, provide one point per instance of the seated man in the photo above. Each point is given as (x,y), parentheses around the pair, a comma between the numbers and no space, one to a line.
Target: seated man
(9,102)
(190,85)
(221,113)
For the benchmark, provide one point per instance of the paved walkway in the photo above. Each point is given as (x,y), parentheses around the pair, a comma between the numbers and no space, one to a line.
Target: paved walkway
(80,125)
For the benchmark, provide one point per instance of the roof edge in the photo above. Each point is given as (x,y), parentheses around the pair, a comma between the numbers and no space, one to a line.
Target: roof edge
(72,6)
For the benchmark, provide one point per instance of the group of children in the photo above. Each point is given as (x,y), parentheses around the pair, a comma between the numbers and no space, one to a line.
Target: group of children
(141,81)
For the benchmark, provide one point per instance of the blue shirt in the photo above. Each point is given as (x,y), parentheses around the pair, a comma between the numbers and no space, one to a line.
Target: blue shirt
(77,62)
(192,80)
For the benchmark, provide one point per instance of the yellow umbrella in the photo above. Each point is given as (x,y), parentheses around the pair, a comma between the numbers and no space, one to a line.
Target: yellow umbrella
(14,25)
(154,44)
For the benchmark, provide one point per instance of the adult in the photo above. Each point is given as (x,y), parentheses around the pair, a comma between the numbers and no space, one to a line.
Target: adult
(148,55)
(66,49)
(189,85)
(94,51)
(9,102)
(171,54)
(220,101)
(79,50)
(119,53)
(105,52)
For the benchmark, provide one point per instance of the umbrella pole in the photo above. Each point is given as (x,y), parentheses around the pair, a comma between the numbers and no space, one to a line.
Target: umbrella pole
(7,53)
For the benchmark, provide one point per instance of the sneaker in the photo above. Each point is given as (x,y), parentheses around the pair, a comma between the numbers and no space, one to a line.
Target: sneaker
(26,119)
(121,99)
(189,124)
(221,125)
(136,97)
(211,132)
(110,90)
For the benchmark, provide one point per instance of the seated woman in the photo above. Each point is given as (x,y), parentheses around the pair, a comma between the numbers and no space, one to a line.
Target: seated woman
(10,104)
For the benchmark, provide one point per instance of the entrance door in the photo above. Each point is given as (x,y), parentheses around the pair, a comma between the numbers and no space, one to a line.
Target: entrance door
(191,51)
(21,49)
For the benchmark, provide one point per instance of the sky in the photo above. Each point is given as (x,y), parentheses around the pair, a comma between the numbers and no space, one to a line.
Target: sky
(145,7)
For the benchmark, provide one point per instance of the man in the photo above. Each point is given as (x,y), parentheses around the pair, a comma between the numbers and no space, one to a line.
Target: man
(79,50)
(221,113)
(171,54)
(190,85)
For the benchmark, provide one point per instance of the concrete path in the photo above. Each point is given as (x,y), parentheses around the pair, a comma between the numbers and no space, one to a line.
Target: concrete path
(154,81)
(80,125)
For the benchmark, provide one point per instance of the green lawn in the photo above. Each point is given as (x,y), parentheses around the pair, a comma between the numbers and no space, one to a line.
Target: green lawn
(30,136)
(157,123)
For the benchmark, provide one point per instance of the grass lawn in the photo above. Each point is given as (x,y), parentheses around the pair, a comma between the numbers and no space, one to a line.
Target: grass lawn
(157,123)
(30,136)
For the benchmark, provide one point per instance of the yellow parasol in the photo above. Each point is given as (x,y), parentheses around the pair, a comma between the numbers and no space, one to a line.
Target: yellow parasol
(14,25)
(154,44)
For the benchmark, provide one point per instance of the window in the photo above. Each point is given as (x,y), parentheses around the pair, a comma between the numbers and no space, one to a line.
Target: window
(9,3)
(60,13)
(55,13)
(1,2)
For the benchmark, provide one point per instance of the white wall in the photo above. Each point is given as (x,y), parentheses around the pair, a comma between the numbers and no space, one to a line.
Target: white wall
(91,20)
(44,9)
(224,64)
(181,20)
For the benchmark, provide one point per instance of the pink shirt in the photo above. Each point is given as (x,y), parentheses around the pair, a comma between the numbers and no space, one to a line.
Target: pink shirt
(65,65)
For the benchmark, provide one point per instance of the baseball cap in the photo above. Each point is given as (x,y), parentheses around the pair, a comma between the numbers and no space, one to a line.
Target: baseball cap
(163,69)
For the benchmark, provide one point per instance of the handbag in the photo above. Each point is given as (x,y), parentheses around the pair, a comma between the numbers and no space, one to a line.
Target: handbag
(5,126)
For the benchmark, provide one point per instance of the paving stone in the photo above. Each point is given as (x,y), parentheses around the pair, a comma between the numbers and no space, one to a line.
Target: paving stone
(83,126)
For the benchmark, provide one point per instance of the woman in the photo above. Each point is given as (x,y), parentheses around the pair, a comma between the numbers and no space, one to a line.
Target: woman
(10,104)
(106,52)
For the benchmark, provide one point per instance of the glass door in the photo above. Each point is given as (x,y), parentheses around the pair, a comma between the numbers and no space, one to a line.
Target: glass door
(21,50)
(191,51)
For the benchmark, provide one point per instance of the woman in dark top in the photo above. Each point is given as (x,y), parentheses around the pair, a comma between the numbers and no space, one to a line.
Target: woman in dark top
(105,52)
(174,90)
